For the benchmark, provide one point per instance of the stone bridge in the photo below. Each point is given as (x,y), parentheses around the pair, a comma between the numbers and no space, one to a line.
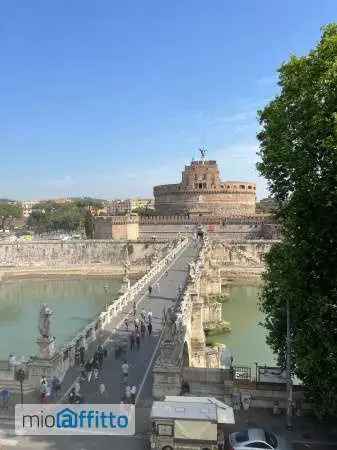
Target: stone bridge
(183,341)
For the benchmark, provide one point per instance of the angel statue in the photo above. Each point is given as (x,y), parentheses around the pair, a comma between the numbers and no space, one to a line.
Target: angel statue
(44,320)
(203,152)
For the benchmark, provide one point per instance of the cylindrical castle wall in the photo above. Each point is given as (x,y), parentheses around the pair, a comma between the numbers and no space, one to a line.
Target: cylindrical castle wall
(214,202)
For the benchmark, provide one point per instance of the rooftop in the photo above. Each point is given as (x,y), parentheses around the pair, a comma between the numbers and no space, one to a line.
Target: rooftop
(193,408)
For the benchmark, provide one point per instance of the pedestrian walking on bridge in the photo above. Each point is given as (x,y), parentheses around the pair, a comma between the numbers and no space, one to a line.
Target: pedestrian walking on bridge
(125,371)
(149,328)
(150,289)
(138,340)
(128,393)
(142,329)
(101,388)
(132,340)
(143,314)
(133,391)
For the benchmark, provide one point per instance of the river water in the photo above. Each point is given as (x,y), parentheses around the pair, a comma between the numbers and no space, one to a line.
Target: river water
(75,303)
(247,340)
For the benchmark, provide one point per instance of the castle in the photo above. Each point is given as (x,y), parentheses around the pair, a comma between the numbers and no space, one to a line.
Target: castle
(202,192)
(226,208)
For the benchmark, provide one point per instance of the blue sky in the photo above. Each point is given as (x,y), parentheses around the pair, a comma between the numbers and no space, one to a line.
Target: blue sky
(108,98)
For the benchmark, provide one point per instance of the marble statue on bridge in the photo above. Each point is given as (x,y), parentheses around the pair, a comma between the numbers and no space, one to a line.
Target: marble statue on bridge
(44,320)
(45,341)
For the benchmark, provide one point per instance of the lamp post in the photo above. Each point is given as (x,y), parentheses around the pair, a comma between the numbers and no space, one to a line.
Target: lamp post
(20,375)
(288,369)
(106,288)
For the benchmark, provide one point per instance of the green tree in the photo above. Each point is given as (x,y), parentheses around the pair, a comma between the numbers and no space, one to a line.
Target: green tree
(89,225)
(298,150)
(8,211)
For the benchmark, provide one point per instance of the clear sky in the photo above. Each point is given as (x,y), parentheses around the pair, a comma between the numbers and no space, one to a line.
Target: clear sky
(108,98)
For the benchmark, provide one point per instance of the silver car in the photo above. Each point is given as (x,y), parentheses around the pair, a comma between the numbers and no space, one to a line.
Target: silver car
(254,439)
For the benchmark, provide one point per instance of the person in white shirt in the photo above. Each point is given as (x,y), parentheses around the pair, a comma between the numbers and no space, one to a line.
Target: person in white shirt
(125,370)
(77,387)
(101,388)
(128,393)
(133,393)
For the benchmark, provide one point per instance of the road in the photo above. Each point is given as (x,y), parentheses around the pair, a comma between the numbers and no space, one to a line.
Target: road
(140,373)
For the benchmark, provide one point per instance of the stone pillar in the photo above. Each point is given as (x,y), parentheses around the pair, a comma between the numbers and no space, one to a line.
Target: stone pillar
(46,346)
(198,342)
(166,381)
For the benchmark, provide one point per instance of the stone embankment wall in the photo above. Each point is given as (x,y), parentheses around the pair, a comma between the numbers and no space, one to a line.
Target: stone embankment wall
(78,253)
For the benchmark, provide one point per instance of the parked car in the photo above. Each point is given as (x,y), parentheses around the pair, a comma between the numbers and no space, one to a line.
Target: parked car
(255,439)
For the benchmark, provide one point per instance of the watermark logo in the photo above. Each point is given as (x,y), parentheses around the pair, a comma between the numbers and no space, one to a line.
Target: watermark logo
(57,419)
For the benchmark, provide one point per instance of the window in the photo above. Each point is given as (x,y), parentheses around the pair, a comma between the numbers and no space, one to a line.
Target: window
(200,185)
(242,186)
(249,187)
(165,430)
(258,444)
(204,177)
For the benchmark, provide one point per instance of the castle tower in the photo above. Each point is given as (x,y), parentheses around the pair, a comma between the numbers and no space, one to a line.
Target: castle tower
(202,192)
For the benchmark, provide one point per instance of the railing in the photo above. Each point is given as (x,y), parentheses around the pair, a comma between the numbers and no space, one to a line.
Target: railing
(105,317)
(242,373)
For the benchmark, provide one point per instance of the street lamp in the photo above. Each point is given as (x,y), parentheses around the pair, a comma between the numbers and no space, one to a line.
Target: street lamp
(20,376)
(106,288)
(288,369)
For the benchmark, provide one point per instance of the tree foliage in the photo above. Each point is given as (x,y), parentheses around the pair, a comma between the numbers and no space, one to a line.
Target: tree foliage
(298,150)
(51,216)
(8,211)
(89,225)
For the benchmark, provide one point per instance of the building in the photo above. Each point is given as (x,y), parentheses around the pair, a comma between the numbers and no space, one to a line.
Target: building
(27,207)
(189,423)
(117,207)
(202,192)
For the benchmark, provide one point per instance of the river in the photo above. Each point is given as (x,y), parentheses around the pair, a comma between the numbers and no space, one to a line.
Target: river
(75,303)
(247,340)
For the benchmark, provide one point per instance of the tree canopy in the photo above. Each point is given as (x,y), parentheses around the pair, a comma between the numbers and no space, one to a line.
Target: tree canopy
(298,151)
(69,217)
(7,211)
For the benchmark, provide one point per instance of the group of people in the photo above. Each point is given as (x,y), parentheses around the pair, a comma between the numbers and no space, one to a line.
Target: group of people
(141,327)
(154,289)
(130,391)
(138,327)
(91,370)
